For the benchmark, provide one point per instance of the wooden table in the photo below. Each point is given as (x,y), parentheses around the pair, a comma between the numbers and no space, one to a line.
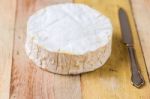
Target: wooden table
(21,79)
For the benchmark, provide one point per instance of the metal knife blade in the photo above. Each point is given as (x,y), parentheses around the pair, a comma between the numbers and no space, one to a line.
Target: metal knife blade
(136,77)
(125,27)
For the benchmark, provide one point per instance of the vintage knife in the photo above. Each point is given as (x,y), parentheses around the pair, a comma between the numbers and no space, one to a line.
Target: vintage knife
(137,78)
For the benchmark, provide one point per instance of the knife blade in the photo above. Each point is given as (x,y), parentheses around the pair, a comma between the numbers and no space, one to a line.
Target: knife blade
(136,76)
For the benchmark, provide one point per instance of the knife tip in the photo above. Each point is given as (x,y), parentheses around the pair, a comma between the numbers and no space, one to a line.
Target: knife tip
(121,10)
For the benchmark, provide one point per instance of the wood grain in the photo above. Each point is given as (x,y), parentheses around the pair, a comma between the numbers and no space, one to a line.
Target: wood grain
(141,11)
(112,81)
(7,20)
(28,81)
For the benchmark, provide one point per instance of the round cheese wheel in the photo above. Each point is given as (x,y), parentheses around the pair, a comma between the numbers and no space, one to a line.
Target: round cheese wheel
(68,38)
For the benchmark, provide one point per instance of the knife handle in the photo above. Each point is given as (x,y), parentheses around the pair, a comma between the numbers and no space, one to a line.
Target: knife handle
(137,78)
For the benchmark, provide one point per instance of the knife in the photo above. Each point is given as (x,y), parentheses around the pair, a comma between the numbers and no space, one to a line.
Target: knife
(136,76)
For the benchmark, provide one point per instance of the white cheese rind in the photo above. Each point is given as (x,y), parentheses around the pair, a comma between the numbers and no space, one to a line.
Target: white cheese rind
(68,38)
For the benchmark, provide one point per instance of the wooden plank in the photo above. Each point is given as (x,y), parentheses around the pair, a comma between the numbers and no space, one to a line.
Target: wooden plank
(112,81)
(7,20)
(141,10)
(28,81)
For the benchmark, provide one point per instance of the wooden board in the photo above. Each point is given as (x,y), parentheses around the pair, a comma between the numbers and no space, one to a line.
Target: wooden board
(112,81)
(141,10)
(7,20)
(28,81)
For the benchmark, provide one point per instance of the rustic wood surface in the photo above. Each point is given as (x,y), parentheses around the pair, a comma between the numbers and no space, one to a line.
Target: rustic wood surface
(28,81)
(141,11)
(7,20)
(112,81)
